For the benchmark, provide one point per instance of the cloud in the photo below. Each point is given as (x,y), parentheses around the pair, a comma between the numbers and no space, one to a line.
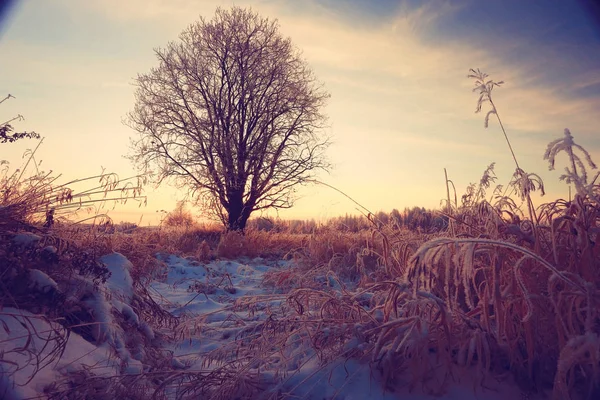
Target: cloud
(392,73)
(158,11)
(400,95)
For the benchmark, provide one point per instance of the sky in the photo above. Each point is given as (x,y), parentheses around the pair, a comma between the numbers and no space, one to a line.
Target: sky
(401,107)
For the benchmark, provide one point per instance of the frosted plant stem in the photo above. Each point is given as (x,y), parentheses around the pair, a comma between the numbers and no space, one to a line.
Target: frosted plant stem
(505,135)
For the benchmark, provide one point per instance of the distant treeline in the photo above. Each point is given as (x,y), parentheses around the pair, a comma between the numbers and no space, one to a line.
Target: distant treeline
(415,219)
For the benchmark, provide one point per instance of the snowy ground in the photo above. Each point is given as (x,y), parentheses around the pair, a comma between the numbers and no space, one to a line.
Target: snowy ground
(206,295)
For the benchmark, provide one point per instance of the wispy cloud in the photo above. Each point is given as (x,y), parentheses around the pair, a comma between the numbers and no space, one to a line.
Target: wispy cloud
(400,95)
(399,53)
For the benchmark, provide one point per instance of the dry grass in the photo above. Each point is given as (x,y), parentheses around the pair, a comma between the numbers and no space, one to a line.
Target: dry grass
(506,289)
(494,298)
(51,269)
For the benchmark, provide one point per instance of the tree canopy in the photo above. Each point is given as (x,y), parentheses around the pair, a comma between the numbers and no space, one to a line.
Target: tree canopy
(233,113)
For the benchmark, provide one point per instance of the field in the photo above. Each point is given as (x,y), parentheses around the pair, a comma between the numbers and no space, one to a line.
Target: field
(490,306)
(489,297)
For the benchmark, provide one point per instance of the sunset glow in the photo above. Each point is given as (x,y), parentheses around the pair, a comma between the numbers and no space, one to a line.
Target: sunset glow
(401,107)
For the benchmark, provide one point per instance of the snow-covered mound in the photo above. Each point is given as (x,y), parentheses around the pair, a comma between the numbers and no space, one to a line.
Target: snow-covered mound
(119,283)
(35,353)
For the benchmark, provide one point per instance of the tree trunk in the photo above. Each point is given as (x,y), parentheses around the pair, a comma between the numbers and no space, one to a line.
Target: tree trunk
(237,213)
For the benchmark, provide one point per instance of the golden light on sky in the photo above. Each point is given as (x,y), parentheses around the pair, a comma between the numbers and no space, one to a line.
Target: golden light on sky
(401,107)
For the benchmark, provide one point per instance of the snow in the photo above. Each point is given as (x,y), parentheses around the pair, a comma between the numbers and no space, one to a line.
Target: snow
(116,294)
(208,294)
(346,379)
(127,312)
(23,338)
(104,330)
(26,239)
(119,282)
(351,380)
(218,285)
(40,281)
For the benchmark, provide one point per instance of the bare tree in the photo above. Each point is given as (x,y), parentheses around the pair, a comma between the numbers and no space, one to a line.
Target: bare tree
(233,114)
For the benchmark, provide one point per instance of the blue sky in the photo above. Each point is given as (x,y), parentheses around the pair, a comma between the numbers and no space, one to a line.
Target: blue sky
(401,108)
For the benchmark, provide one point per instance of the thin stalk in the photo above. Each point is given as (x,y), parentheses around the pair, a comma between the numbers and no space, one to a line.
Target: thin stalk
(6,98)
(29,159)
(505,135)
(448,204)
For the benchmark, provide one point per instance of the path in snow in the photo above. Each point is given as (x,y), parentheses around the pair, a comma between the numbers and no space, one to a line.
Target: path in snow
(204,295)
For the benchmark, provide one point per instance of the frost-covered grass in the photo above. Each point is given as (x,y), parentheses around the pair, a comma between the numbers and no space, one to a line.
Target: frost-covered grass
(349,327)
(37,352)
(501,301)
(235,337)
(380,314)
(237,334)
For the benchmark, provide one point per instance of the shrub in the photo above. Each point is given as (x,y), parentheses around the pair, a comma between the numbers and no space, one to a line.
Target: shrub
(179,217)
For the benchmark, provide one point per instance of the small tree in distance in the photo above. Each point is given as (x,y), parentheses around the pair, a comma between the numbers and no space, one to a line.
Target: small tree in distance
(180,217)
(233,114)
